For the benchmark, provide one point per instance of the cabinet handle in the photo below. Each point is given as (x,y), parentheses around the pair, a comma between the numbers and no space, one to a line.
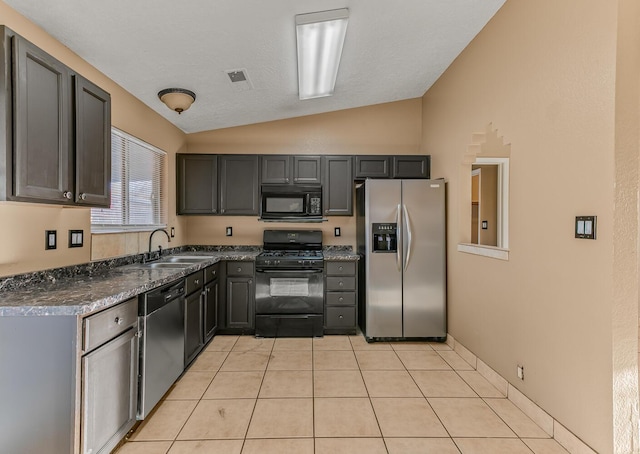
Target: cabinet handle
(340,267)
(66,195)
(341,299)
(340,316)
(197,281)
(250,281)
(208,290)
(239,270)
(213,272)
(82,196)
(340,283)
(118,321)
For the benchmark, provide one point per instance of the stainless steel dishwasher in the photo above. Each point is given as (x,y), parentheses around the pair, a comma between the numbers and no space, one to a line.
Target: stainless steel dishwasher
(161,313)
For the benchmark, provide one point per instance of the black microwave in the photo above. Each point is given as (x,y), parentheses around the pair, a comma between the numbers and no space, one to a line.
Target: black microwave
(290,202)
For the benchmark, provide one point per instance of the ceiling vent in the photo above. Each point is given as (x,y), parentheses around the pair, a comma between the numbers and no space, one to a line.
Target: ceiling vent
(239,79)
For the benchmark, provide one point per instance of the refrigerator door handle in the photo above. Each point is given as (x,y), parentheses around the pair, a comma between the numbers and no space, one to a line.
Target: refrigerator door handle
(398,240)
(409,236)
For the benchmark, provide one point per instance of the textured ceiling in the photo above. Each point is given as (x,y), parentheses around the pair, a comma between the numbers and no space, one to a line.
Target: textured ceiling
(393,50)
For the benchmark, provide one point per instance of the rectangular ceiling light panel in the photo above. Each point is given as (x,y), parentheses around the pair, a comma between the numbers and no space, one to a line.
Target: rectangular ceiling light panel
(320,39)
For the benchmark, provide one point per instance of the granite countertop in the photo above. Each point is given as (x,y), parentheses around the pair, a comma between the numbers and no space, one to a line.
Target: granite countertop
(83,289)
(83,294)
(340,254)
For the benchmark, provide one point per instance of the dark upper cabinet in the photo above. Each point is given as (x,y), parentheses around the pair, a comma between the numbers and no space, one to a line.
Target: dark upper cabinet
(372,167)
(275,169)
(239,184)
(93,143)
(58,129)
(197,181)
(287,169)
(307,170)
(42,148)
(410,166)
(337,186)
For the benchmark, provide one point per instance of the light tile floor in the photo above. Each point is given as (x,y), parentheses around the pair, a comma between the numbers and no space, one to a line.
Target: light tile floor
(336,394)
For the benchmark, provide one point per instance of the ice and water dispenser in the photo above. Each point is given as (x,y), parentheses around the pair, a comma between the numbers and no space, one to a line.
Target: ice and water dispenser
(385,237)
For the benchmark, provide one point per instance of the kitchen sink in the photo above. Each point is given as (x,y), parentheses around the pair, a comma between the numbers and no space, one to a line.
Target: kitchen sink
(188,259)
(168,265)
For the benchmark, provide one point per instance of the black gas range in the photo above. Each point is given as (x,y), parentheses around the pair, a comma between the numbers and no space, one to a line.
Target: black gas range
(295,249)
(290,284)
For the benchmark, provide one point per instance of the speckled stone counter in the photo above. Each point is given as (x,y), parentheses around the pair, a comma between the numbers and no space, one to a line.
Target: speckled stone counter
(98,287)
(340,253)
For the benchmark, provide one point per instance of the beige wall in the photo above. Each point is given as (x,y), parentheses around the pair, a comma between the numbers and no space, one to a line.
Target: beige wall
(23,224)
(544,74)
(392,128)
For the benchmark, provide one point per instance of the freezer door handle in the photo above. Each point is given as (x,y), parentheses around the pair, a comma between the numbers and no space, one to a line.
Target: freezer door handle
(399,240)
(407,221)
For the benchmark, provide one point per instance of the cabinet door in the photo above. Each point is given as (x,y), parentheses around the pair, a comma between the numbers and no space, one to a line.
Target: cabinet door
(275,169)
(197,181)
(193,339)
(211,301)
(372,167)
(109,393)
(307,170)
(337,189)
(240,302)
(411,167)
(42,125)
(93,144)
(239,188)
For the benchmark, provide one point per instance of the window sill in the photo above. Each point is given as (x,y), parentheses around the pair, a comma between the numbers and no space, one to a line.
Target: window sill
(485,251)
(113,230)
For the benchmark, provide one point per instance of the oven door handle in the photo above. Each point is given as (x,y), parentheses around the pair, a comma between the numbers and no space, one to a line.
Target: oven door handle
(281,271)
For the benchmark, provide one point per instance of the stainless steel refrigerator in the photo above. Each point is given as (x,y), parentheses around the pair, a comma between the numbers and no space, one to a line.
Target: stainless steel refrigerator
(400,230)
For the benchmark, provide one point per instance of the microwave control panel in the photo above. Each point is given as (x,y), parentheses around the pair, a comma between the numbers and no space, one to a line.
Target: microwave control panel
(314,205)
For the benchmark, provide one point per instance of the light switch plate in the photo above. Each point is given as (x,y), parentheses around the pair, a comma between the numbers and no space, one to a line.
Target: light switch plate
(76,238)
(586,227)
(336,231)
(229,231)
(50,239)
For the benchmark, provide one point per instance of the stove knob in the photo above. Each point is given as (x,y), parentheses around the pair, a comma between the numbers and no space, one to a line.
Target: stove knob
(277,262)
(268,262)
(301,262)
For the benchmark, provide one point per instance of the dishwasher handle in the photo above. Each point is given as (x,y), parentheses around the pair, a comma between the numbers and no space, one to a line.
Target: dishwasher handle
(160,297)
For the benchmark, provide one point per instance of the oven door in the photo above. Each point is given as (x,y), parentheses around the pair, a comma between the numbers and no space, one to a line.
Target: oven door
(290,291)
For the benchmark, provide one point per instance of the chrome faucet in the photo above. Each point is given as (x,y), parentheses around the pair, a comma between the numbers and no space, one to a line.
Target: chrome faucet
(149,256)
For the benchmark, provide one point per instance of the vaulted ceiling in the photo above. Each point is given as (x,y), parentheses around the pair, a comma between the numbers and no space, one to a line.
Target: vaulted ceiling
(393,50)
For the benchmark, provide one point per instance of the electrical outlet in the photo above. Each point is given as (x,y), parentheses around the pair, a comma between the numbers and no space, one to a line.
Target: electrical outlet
(229,231)
(521,372)
(336,231)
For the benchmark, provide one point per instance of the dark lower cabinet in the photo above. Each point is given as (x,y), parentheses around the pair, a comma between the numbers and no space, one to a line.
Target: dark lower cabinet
(192,326)
(340,297)
(240,296)
(240,303)
(193,316)
(211,308)
(57,129)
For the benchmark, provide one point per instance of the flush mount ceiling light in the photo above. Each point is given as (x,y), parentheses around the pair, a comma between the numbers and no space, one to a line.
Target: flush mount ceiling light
(320,39)
(177,99)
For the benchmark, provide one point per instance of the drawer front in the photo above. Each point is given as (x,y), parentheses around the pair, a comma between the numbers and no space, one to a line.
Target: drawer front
(211,273)
(341,299)
(194,282)
(341,268)
(99,328)
(239,268)
(341,317)
(346,283)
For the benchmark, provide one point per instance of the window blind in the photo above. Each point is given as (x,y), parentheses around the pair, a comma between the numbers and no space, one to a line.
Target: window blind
(138,172)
